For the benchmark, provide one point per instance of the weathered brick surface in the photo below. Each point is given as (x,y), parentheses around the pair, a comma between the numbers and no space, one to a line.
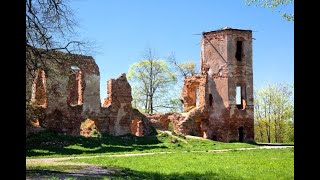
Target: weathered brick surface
(194,90)
(145,127)
(118,101)
(38,97)
(68,93)
(61,91)
(226,118)
(159,120)
(218,116)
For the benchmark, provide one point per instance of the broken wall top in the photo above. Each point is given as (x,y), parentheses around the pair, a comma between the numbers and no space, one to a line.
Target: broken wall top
(118,91)
(226,29)
(59,62)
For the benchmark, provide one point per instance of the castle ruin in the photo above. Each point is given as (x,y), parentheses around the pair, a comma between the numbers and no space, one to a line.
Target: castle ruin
(218,102)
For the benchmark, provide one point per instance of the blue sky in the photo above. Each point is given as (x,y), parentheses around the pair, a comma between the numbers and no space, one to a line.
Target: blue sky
(123,29)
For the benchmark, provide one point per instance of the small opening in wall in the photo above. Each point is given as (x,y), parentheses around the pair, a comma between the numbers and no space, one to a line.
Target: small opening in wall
(75,88)
(210,99)
(239,51)
(239,97)
(241,133)
(136,127)
(38,96)
(75,68)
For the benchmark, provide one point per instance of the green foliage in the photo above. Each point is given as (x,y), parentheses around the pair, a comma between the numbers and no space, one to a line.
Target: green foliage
(151,80)
(250,164)
(273,4)
(274,114)
(182,70)
(179,163)
(189,67)
(170,127)
(95,133)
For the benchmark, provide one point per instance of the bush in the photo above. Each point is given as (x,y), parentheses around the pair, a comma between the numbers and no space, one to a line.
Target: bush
(95,133)
(170,127)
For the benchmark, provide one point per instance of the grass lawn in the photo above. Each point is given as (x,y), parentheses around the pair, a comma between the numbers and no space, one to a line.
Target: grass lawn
(48,144)
(181,163)
(249,164)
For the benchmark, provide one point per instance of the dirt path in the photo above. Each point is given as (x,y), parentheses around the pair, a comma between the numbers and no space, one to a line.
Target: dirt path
(94,171)
(84,171)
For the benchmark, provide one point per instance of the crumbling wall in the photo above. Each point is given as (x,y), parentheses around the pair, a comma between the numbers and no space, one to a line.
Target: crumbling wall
(145,127)
(117,117)
(118,101)
(177,120)
(194,89)
(159,120)
(241,74)
(225,72)
(136,127)
(60,90)
(68,93)
(36,105)
(38,93)
(194,122)
(226,63)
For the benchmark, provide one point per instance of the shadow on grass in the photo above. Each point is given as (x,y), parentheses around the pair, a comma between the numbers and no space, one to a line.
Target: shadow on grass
(263,144)
(49,174)
(49,143)
(274,144)
(251,142)
(132,175)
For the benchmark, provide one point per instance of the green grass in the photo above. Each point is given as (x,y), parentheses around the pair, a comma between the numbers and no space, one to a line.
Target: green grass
(181,163)
(50,144)
(250,164)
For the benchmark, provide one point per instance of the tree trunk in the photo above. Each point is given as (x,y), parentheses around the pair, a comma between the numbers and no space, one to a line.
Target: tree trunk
(146,105)
(261,132)
(151,104)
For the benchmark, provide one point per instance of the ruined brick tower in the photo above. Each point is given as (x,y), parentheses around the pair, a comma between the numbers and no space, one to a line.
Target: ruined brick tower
(226,60)
(218,102)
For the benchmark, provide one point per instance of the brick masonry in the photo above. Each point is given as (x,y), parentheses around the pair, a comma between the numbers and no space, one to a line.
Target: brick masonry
(68,93)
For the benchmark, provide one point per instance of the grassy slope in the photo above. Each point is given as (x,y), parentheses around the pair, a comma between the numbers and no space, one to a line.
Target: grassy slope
(251,164)
(181,164)
(54,145)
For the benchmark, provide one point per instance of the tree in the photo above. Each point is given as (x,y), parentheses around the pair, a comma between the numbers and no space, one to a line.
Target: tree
(273,4)
(187,68)
(151,80)
(183,70)
(274,112)
(50,27)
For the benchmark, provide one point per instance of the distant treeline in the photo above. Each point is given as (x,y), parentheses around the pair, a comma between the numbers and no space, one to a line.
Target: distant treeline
(274,113)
